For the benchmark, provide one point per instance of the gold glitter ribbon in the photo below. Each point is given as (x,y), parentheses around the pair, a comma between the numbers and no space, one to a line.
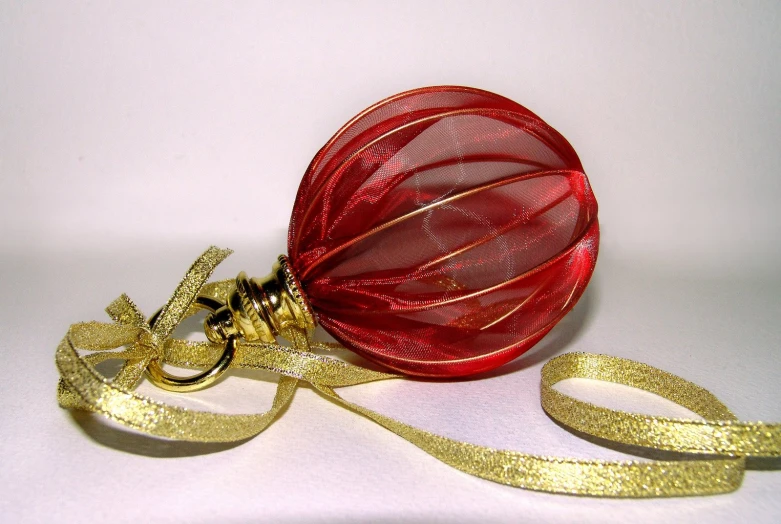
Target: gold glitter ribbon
(709,454)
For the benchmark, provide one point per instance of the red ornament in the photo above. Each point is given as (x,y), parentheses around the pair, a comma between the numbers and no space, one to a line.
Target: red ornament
(444,231)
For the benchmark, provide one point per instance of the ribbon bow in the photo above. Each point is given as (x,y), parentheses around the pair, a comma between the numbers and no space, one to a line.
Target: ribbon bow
(82,387)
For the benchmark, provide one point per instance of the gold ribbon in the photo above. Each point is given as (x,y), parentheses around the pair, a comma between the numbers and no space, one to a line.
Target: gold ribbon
(715,448)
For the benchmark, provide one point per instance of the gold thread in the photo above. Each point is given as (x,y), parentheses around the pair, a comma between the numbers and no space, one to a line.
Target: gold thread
(504,181)
(531,119)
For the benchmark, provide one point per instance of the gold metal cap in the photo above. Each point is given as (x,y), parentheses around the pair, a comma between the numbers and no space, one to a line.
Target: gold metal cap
(260,308)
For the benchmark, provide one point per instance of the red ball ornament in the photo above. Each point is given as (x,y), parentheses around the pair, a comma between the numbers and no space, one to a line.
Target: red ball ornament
(443,231)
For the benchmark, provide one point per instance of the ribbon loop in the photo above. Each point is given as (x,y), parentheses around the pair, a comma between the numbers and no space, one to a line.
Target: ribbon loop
(177,306)
(124,311)
(719,434)
(99,336)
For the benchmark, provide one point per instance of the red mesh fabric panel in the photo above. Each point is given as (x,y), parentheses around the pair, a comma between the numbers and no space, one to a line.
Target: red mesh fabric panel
(444,231)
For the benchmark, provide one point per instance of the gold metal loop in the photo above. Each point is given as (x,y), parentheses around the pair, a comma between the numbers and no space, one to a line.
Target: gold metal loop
(165,380)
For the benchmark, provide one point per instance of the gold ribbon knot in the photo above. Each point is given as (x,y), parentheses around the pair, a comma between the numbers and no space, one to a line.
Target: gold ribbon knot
(715,447)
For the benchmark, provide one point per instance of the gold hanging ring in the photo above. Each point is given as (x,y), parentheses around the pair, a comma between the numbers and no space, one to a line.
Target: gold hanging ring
(165,380)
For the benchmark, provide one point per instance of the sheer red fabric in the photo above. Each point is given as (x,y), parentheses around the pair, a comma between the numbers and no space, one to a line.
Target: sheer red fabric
(444,231)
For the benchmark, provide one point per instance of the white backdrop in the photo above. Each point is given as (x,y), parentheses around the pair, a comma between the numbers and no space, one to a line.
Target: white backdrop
(119,120)
(134,134)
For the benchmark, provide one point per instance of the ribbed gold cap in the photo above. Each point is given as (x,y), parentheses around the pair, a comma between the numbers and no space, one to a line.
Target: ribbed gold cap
(259,309)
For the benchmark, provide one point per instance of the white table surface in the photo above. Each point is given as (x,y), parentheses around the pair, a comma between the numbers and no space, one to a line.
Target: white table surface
(132,136)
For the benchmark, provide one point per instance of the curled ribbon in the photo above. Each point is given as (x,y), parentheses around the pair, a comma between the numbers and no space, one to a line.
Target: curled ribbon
(716,447)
